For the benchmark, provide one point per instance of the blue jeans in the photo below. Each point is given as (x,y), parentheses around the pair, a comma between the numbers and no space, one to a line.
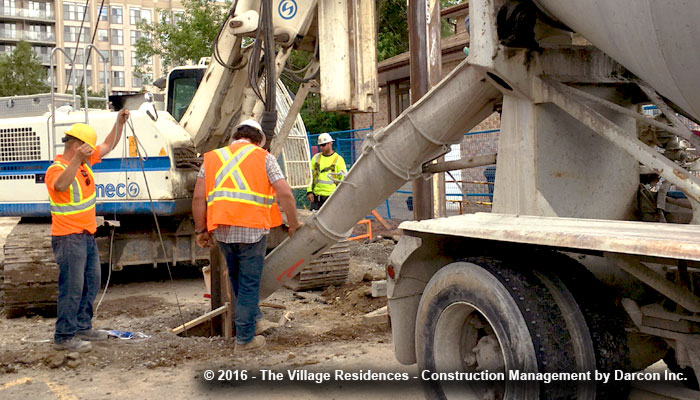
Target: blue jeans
(78,282)
(245,264)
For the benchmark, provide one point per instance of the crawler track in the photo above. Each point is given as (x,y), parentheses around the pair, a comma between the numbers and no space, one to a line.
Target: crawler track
(30,271)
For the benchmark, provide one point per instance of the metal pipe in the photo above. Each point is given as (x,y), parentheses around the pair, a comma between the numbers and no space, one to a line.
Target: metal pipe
(425,64)
(471,162)
(391,157)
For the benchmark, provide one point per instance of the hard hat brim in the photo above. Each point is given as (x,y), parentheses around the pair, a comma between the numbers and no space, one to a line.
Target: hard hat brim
(75,137)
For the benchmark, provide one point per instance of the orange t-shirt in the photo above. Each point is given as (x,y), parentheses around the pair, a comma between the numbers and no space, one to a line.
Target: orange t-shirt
(62,225)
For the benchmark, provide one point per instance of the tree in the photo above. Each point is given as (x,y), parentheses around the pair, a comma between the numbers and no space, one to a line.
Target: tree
(186,40)
(21,72)
(392,32)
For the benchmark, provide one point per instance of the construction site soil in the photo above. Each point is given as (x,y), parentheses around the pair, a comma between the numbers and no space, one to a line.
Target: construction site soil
(325,330)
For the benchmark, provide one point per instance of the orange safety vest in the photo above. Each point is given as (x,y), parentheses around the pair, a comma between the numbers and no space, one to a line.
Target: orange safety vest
(73,210)
(238,191)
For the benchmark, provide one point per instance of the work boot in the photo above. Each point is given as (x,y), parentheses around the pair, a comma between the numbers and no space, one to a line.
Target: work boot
(258,342)
(73,344)
(91,335)
(263,325)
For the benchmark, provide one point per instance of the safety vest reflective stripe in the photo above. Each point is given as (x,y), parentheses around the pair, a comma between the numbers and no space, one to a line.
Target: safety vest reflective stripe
(76,193)
(231,168)
(72,208)
(231,162)
(235,195)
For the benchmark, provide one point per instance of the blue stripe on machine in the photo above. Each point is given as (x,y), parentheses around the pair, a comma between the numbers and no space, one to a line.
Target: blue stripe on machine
(102,208)
(155,163)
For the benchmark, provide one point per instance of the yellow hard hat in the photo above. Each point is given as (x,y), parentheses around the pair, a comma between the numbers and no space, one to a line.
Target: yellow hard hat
(83,132)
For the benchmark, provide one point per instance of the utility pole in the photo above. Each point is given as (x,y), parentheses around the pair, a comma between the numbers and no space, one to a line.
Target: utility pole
(425,56)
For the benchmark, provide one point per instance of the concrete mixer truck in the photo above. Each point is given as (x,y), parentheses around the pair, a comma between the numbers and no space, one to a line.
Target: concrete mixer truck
(577,269)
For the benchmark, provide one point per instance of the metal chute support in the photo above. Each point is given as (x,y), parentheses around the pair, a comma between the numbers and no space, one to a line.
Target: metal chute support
(390,158)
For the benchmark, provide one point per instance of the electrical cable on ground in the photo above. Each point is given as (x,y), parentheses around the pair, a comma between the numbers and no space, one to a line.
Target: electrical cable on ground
(155,218)
(111,240)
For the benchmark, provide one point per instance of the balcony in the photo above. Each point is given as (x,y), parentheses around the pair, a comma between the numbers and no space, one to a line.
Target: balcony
(30,36)
(26,14)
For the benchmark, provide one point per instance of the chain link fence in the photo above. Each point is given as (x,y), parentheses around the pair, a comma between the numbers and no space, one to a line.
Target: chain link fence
(466,191)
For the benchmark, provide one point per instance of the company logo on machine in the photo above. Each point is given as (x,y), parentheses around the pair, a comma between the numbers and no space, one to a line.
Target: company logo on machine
(287,9)
(119,190)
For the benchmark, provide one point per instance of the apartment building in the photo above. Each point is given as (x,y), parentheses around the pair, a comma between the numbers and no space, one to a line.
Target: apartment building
(111,26)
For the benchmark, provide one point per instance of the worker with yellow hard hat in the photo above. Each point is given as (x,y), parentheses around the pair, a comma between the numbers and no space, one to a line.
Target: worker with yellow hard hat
(71,186)
(325,166)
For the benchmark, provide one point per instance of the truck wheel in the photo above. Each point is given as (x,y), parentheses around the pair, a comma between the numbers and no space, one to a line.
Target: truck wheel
(605,322)
(478,314)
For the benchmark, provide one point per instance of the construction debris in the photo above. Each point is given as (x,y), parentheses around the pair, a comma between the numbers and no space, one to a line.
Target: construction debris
(377,317)
(379,288)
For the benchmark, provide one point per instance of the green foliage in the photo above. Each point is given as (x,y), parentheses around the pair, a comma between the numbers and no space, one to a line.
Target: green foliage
(301,200)
(315,120)
(21,72)
(392,32)
(190,39)
(99,104)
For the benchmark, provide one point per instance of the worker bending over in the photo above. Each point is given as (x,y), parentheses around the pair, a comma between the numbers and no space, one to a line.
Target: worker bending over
(234,203)
(324,165)
(71,186)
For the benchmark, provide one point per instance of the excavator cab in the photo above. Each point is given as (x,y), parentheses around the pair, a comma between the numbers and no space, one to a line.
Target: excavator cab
(181,86)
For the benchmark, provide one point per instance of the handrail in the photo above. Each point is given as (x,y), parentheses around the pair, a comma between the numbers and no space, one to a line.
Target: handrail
(106,86)
(52,149)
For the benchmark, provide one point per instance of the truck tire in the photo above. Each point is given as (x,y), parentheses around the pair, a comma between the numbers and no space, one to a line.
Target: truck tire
(605,321)
(479,313)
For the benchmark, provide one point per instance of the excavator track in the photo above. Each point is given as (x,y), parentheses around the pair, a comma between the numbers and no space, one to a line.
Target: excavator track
(331,268)
(30,271)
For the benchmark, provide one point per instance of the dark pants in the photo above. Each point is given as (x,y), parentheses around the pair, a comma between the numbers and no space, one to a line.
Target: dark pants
(318,201)
(245,264)
(78,282)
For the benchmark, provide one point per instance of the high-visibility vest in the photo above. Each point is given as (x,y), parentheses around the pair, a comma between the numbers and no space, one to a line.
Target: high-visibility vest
(73,210)
(237,188)
(322,167)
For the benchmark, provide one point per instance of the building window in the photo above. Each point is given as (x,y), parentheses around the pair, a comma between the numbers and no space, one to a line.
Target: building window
(118,78)
(177,17)
(74,12)
(39,9)
(136,35)
(399,97)
(102,77)
(77,59)
(116,15)
(79,77)
(8,7)
(118,57)
(103,13)
(40,32)
(136,81)
(70,34)
(137,15)
(135,62)
(102,35)
(147,79)
(117,36)
(7,48)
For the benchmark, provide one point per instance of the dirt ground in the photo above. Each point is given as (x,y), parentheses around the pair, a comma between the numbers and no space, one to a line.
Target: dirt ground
(326,332)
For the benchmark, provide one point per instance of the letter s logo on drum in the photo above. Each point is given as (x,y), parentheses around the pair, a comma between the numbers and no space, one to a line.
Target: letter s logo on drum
(287,9)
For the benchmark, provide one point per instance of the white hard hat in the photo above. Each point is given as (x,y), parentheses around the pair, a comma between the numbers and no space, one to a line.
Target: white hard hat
(251,123)
(324,138)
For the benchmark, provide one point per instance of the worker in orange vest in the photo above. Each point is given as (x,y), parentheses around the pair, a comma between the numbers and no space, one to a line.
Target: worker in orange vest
(234,203)
(71,186)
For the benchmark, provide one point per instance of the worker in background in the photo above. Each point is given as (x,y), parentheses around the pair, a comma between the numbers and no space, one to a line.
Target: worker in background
(324,165)
(71,187)
(233,203)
